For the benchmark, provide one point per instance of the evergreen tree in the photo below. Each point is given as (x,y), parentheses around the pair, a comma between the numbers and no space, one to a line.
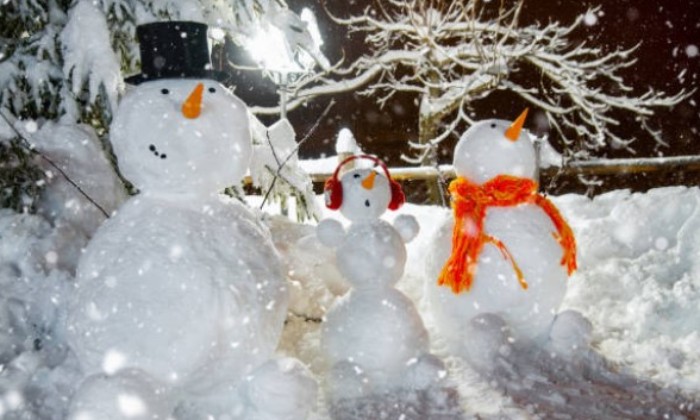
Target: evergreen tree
(65,60)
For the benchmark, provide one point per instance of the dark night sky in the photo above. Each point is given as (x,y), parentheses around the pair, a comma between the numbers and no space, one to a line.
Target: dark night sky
(665,28)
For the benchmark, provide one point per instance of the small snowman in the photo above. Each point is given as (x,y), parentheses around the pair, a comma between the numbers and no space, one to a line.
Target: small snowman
(373,338)
(511,251)
(181,288)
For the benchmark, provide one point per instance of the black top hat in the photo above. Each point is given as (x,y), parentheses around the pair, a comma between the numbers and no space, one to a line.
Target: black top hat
(174,50)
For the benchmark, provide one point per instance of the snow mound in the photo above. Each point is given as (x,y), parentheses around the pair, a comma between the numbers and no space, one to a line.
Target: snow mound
(78,152)
(624,345)
(567,381)
(639,282)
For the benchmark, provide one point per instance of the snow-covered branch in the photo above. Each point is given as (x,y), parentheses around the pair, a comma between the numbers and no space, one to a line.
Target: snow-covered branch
(453,54)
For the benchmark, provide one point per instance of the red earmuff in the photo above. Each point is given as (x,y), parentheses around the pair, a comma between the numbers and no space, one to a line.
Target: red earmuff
(397,195)
(333,193)
(333,189)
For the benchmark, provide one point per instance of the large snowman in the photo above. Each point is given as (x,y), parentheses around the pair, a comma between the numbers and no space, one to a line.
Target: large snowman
(507,251)
(373,339)
(180,294)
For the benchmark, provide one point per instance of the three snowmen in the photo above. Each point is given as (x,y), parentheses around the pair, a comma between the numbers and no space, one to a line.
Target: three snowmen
(507,252)
(180,297)
(373,339)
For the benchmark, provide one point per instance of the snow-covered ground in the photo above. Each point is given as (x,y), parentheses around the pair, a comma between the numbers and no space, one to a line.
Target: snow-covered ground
(638,284)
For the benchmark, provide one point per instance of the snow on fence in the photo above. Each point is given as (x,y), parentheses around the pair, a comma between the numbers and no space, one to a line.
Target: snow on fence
(632,165)
(321,172)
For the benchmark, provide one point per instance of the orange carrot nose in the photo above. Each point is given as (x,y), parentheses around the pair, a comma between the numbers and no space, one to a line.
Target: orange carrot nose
(513,132)
(192,106)
(368,182)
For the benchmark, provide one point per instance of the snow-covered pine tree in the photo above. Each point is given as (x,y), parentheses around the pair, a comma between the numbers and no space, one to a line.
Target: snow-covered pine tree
(65,60)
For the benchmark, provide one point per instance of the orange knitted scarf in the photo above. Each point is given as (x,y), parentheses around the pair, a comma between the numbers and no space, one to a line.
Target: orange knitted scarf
(470,203)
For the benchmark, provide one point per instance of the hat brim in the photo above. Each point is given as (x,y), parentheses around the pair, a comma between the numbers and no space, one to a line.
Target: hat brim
(219,76)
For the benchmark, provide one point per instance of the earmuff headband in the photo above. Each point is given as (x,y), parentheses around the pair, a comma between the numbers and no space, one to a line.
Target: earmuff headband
(368,157)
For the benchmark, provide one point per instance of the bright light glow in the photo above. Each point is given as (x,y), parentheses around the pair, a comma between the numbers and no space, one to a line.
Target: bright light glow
(217,34)
(308,17)
(270,50)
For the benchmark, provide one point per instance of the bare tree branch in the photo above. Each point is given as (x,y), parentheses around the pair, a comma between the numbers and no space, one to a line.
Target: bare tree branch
(453,54)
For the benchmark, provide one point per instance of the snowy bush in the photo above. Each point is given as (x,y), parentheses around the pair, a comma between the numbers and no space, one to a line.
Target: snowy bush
(275,168)
(20,179)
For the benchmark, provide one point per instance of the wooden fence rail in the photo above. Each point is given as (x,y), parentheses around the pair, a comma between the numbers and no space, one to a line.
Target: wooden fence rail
(588,167)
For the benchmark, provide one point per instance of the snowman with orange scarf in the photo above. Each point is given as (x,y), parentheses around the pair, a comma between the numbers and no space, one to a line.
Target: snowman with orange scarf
(511,250)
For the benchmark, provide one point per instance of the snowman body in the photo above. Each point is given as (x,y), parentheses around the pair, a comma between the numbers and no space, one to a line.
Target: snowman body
(527,234)
(175,289)
(374,326)
(525,231)
(373,340)
(180,284)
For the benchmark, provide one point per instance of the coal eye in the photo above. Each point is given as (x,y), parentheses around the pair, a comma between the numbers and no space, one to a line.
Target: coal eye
(212,90)
(164,91)
(356,176)
(493,125)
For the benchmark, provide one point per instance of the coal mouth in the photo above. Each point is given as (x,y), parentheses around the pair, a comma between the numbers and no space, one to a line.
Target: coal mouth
(155,152)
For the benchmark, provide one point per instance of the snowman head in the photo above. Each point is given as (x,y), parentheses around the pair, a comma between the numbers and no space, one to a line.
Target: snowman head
(495,147)
(363,194)
(181,136)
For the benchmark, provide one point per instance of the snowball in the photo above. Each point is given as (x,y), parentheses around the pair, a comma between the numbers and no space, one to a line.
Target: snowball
(382,351)
(159,150)
(347,380)
(281,389)
(407,226)
(483,152)
(425,372)
(371,255)
(128,395)
(570,332)
(360,202)
(132,302)
(691,51)
(330,232)
(488,338)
